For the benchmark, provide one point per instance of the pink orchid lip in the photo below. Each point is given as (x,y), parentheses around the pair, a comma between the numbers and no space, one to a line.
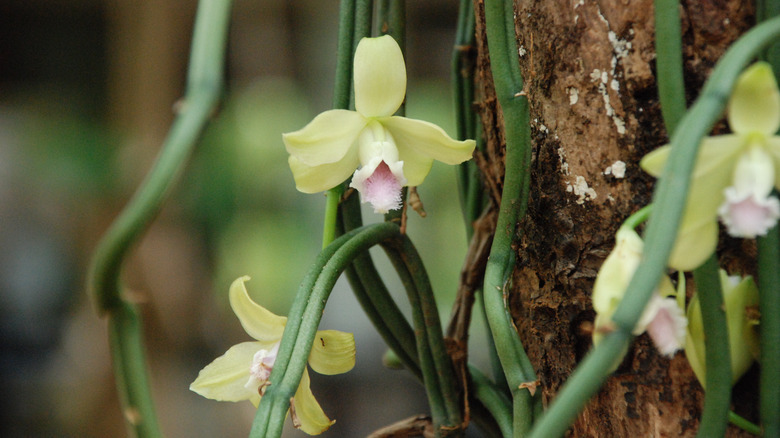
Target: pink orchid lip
(748,215)
(665,332)
(665,323)
(382,189)
(261,367)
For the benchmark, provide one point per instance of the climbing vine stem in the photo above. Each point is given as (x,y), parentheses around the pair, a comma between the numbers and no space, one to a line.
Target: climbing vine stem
(508,82)
(204,85)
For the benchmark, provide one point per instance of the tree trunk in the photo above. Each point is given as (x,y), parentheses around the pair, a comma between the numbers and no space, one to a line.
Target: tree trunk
(590,80)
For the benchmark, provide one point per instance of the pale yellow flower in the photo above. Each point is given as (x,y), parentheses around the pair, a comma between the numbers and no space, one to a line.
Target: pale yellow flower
(242,372)
(734,174)
(389,152)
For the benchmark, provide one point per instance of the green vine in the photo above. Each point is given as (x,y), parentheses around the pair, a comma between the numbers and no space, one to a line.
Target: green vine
(204,85)
(514,199)
(717,397)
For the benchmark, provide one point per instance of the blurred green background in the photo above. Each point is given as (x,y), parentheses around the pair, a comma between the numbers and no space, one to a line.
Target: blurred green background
(87,89)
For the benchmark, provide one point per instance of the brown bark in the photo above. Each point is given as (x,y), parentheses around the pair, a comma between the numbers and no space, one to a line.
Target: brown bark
(589,71)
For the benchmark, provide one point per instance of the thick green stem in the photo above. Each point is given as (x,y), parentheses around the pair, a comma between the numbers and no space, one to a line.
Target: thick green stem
(303,321)
(204,85)
(668,203)
(425,351)
(514,199)
(638,217)
(669,62)
(744,424)
(373,296)
(717,397)
(391,16)
(127,352)
(409,266)
(364,10)
(341,96)
(765,10)
(463,67)
(383,313)
(342,89)
(493,399)
(769,276)
(331,215)
(769,307)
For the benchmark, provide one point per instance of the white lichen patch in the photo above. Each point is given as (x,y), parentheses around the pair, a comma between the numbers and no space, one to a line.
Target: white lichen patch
(574,95)
(609,78)
(621,47)
(577,5)
(562,161)
(617,169)
(581,190)
(620,124)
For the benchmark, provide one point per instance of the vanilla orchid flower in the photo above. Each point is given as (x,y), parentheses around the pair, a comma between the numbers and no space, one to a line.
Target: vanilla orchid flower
(385,152)
(739,294)
(242,372)
(662,319)
(734,174)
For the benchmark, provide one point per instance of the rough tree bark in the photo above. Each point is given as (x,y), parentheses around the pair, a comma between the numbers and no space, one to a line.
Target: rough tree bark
(589,71)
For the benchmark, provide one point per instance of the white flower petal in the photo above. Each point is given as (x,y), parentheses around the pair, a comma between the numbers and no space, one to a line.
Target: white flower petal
(746,215)
(381,186)
(262,364)
(379,76)
(748,209)
(376,142)
(665,322)
(755,172)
